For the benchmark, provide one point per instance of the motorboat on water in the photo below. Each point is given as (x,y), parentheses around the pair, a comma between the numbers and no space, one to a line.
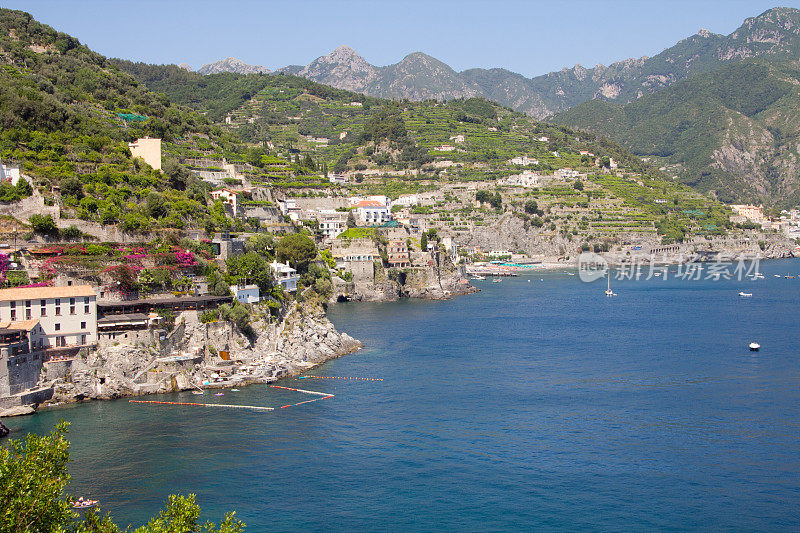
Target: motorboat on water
(754,346)
(745,294)
(478,278)
(496,280)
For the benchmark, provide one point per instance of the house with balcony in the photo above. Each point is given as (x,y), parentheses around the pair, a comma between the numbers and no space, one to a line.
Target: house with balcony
(371,212)
(399,257)
(285,275)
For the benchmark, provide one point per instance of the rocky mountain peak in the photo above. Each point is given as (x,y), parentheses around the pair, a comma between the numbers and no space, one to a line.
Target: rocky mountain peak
(232,64)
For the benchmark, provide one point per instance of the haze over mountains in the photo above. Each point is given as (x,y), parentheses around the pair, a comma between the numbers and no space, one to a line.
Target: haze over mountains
(418,76)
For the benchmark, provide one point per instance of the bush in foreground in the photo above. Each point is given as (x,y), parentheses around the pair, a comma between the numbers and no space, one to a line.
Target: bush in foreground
(33,477)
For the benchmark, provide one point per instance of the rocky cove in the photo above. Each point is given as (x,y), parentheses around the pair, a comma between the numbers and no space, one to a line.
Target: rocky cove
(197,355)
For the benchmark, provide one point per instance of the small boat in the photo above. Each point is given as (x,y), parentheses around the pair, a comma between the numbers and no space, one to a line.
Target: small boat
(198,392)
(234,390)
(496,280)
(757,275)
(80,503)
(220,394)
(478,278)
(754,346)
(777,275)
(745,294)
(787,276)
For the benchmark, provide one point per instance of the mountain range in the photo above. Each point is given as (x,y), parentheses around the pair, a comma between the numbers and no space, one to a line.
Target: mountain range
(774,34)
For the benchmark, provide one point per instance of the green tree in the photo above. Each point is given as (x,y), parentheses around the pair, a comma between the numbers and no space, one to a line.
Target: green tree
(423,242)
(296,249)
(43,224)
(351,220)
(178,176)
(34,475)
(71,186)
(578,185)
(155,205)
(250,267)
(531,207)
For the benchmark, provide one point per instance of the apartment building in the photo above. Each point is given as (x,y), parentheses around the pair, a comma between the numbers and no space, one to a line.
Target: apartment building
(67,315)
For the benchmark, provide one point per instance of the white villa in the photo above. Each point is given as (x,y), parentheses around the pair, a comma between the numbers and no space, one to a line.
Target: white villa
(247,294)
(286,276)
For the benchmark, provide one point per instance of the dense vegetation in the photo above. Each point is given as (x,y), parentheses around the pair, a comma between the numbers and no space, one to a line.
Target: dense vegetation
(67,114)
(747,109)
(33,481)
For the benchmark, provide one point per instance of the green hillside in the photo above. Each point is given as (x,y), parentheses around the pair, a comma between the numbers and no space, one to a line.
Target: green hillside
(66,116)
(732,132)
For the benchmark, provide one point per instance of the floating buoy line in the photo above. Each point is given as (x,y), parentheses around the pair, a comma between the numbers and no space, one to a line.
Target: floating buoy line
(322,396)
(194,404)
(338,377)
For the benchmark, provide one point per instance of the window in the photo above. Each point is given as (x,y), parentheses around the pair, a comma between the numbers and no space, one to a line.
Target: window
(28,314)
(58,326)
(43,309)
(83,339)
(83,325)
(13,313)
(72,309)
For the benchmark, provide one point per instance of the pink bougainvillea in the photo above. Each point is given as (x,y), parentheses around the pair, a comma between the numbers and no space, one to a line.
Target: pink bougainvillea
(185,258)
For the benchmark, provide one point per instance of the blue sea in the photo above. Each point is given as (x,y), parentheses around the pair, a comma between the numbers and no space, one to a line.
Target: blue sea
(537,403)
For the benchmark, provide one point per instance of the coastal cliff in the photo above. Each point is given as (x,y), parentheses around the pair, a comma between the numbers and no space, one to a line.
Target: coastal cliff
(216,354)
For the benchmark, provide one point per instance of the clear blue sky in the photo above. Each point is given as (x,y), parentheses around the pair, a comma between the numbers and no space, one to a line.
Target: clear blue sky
(530,37)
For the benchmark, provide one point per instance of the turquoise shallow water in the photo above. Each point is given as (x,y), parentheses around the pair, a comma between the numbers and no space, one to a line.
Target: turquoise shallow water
(536,404)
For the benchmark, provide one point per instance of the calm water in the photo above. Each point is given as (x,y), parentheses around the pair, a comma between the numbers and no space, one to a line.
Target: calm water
(531,404)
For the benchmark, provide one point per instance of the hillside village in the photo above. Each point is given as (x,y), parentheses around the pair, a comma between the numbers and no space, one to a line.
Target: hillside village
(165,251)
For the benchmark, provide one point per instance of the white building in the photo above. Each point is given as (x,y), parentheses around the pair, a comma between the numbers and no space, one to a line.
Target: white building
(407,200)
(285,275)
(526,179)
(567,173)
(67,315)
(444,148)
(380,198)
(332,227)
(458,139)
(9,173)
(247,294)
(371,212)
(228,197)
(337,179)
(523,160)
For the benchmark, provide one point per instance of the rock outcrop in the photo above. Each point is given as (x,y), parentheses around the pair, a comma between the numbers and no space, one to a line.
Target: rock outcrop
(18,410)
(216,354)
(4,431)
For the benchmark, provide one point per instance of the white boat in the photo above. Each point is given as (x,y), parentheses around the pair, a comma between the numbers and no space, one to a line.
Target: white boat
(609,292)
(745,294)
(758,275)
(754,346)
(496,280)
(478,278)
